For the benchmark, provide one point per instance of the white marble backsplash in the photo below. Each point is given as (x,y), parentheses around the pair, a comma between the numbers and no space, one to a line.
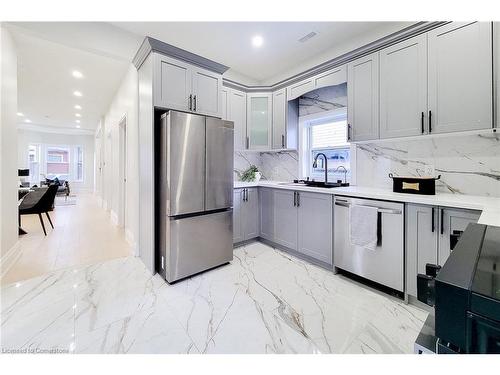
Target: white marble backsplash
(274,166)
(467,164)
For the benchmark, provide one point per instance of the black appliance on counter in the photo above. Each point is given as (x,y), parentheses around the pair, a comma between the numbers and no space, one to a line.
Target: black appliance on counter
(414,185)
(465,294)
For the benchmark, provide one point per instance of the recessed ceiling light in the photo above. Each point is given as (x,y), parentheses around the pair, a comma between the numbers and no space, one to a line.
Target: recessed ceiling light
(78,106)
(77,121)
(78,126)
(77,74)
(77,93)
(257,41)
(27,120)
(20,114)
(78,115)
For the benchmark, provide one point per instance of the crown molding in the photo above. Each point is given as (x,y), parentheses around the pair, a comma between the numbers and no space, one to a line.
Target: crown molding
(54,129)
(154,45)
(396,37)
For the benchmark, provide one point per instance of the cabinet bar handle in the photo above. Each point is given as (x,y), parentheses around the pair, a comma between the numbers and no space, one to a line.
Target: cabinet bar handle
(190,102)
(244,194)
(194,105)
(348,132)
(282,141)
(298,199)
(248,143)
(432,225)
(430,121)
(294,198)
(422,122)
(442,220)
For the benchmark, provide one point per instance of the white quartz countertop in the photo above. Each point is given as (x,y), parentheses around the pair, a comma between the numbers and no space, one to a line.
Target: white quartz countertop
(489,206)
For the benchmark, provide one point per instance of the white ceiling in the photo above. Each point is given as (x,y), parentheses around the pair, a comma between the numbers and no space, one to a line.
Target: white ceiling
(49,51)
(229,43)
(47,55)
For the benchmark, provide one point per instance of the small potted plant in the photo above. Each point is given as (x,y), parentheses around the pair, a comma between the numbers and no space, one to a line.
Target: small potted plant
(251,174)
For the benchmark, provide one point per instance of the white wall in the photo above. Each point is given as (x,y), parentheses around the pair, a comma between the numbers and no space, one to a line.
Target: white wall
(124,103)
(8,142)
(27,137)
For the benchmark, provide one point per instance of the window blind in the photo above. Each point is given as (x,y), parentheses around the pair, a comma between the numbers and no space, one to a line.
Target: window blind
(331,134)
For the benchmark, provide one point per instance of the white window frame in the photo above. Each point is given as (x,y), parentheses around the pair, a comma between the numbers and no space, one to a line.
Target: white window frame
(305,150)
(75,166)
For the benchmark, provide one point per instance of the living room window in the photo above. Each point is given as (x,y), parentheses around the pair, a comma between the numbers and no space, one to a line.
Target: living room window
(58,162)
(34,163)
(79,163)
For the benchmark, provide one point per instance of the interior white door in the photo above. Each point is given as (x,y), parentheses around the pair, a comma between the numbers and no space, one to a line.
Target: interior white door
(403,88)
(460,77)
(363,98)
(206,92)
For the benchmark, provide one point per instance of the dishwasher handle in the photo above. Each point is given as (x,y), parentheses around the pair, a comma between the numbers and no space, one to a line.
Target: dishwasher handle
(380,210)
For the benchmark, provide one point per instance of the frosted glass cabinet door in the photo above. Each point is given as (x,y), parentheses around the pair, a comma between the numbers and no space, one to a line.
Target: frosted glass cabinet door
(259,121)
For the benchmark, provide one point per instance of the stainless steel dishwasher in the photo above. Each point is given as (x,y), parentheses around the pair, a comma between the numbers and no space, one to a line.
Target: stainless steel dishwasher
(385,264)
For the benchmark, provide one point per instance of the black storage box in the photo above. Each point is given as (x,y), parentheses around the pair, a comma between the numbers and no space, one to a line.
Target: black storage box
(414,185)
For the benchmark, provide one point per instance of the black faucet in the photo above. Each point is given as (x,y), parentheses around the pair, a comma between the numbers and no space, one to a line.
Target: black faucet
(315,164)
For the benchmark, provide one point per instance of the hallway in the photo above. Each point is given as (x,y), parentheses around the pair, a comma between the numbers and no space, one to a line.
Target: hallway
(83,234)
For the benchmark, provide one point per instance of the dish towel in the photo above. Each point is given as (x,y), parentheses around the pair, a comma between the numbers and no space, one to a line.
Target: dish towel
(364,222)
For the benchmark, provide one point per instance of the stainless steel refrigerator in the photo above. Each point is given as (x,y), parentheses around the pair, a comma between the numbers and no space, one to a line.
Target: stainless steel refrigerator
(196,194)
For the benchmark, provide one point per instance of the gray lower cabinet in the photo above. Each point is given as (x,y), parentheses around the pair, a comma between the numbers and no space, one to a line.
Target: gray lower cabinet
(285,219)
(431,235)
(237,224)
(452,223)
(301,221)
(315,216)
(245,214)
(421,242)
(266,204)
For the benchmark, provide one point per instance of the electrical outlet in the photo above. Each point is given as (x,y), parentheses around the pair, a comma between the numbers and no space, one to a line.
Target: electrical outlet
(429,170)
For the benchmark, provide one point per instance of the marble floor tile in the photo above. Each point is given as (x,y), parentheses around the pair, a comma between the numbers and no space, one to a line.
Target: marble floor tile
(265,301)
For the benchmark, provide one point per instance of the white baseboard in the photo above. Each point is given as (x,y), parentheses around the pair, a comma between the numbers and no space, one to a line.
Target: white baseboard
(10,258)
(114,218)
(129,236)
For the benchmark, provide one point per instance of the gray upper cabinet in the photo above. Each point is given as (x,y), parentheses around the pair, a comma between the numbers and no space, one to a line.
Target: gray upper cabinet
(172,85)
(421,242)
(315,229)
(279,119)
(460,77)
(206,92)
(259,121)
(266,204)
(403,88)
(234,108)
(451,225)
(363,98)
(224,100)
(333,77)
(300,88)
(285,219)
(184,87)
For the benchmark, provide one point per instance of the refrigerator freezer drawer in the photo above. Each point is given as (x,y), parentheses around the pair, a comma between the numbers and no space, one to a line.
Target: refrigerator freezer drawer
(198,243)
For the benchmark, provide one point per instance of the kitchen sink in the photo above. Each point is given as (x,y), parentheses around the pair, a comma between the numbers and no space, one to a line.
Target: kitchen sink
(311,183)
